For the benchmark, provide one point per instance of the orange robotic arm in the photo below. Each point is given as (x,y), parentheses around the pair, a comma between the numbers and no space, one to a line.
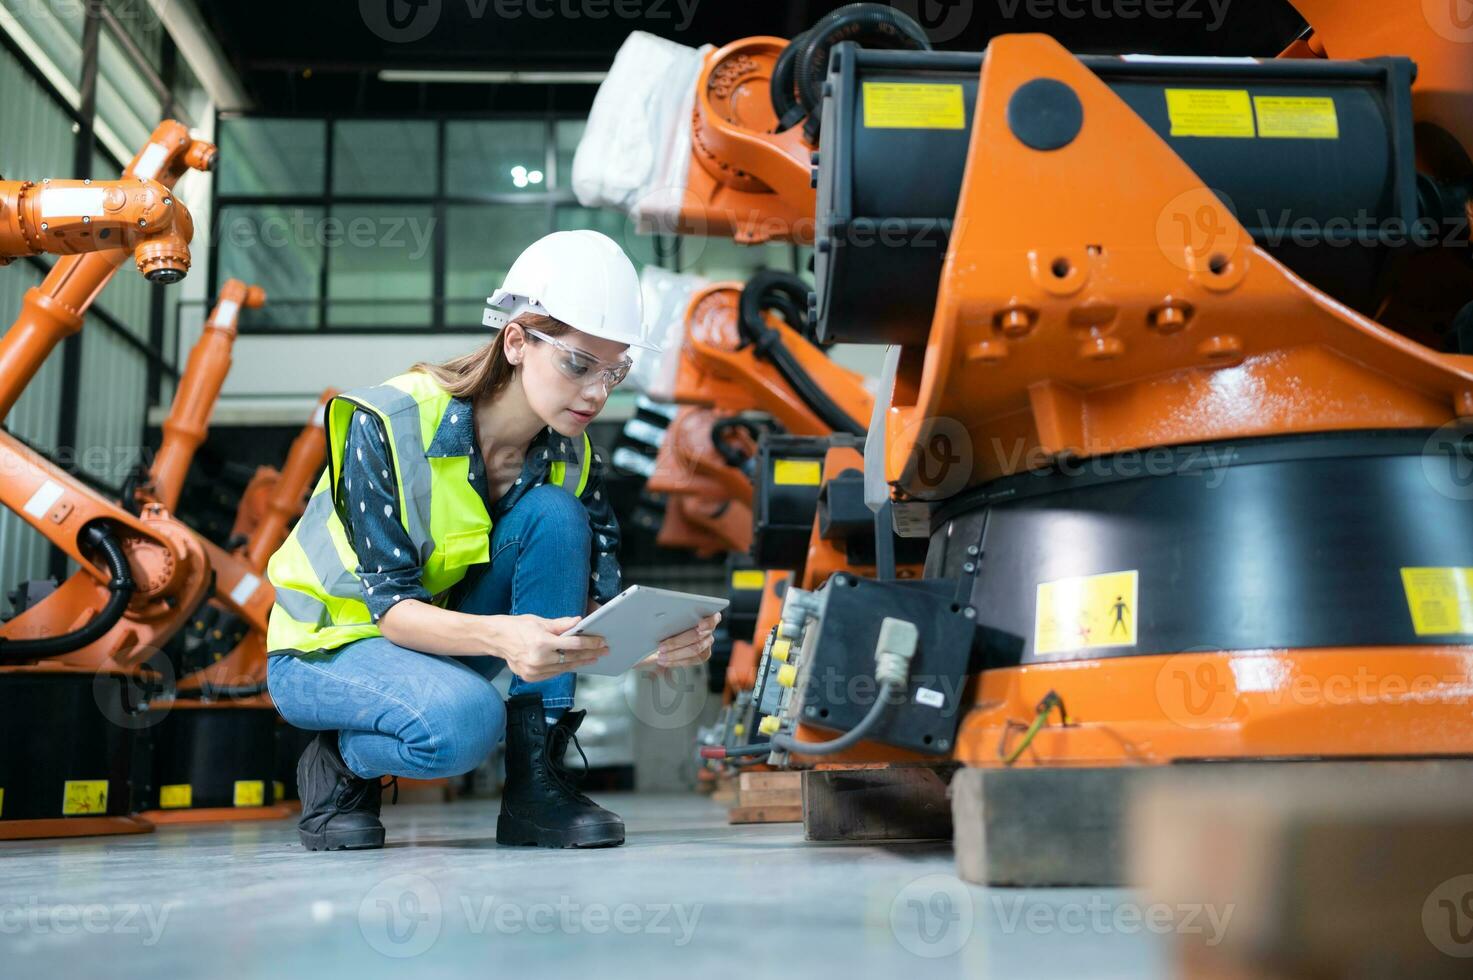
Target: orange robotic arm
(70,217)
(140,574)
(244,666)
(54,310)
(199,389)
(305,459)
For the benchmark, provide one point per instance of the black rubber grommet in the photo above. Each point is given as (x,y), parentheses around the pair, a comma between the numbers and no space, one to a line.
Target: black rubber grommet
(1045,114)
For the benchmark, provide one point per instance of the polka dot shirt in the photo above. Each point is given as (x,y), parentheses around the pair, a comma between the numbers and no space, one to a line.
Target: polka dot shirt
(390,569)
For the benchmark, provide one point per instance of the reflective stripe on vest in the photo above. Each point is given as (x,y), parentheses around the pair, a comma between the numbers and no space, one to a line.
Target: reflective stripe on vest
(319,599)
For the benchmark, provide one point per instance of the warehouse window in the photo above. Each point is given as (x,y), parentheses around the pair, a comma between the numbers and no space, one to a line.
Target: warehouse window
(392,224)
(386,158)
(384,225)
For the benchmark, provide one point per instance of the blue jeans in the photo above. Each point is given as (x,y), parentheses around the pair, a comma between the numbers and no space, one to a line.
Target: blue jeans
(400,712)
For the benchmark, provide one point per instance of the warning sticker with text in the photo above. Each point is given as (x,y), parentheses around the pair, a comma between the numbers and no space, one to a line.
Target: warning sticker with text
(1295,117)
(83,796)
(1220,113)
(913,105)
(1440,600)
(1086,613)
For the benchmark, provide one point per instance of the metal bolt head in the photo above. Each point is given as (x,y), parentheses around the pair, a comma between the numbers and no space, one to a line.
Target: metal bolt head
(969,612)
(44,226)
(142,222)
(969,567)
(810,710)
(168,201)
(86,180)
(943,743)
(973,550)
(86,220)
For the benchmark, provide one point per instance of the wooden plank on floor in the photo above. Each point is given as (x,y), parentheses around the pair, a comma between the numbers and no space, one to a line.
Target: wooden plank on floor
(1041,827)
(891,803)
(788,779)
(1325,869)
(765,814)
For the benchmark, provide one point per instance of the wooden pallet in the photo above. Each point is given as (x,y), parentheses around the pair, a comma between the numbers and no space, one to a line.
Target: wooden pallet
(768,797)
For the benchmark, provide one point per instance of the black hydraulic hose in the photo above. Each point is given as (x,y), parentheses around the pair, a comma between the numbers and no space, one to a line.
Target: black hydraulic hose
(732,455)
(871,25)
(121,587)
(785,103)
(769,289)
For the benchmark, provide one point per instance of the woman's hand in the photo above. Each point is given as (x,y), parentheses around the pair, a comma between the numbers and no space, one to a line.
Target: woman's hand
(684,649)
(530,646)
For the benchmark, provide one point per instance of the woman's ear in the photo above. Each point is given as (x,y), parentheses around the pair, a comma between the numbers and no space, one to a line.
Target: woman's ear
(514,344)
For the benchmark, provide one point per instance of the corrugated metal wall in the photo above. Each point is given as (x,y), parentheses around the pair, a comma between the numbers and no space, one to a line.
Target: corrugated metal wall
(37,141)
(23,552)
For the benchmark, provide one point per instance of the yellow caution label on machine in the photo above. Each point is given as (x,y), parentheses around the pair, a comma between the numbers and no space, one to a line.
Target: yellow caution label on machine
(914,105)
(1085,613)
(1223,113)
(797,472)
(82,796)
(176,796)
(1440,600)
(250,792)
(1292,117)
(748,578)
(278,789)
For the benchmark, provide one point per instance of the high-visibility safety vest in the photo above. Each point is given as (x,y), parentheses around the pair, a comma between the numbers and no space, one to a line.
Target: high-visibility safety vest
(319,603)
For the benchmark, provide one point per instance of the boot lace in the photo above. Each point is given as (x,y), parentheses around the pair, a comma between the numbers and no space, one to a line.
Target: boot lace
(566,779)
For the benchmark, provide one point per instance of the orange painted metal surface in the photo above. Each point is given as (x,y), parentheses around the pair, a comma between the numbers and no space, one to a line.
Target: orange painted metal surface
(72,217)
(1099,298)
(717,371)
(741,671)
(53,311)
(745,181)
(199,390)
(244,667)
(167,561)
(73,827)
(1356,702)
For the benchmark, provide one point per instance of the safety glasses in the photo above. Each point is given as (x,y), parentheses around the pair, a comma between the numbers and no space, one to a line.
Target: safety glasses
(581,366)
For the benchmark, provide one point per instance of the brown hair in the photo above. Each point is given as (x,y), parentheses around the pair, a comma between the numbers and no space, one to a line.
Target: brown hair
(485,371)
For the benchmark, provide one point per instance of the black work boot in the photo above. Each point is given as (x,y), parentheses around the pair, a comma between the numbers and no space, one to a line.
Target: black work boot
(541,805)
(339,808)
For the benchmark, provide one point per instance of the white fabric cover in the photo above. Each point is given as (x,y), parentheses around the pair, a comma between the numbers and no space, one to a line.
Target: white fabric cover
(635,151)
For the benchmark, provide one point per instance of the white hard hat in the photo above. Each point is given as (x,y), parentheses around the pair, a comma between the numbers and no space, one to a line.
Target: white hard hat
(582,278)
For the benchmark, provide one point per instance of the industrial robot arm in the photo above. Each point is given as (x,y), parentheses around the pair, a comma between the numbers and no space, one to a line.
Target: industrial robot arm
(141,575)
(55,309)
(71,217)
(199,389)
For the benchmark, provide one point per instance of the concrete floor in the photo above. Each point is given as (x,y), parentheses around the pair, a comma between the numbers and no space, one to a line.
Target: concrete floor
(687,895)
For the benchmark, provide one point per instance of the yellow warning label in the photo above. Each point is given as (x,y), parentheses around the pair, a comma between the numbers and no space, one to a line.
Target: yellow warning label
(913,105)
(178,795)
(79,796)
(250,792)
(1210,112)
(748,578)
(1084,613)
(2,801)
(278,788)
(797,472)
(1286,117)
(1440,600)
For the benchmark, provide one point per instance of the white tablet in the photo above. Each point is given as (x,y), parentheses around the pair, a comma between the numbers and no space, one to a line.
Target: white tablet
(637,619)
